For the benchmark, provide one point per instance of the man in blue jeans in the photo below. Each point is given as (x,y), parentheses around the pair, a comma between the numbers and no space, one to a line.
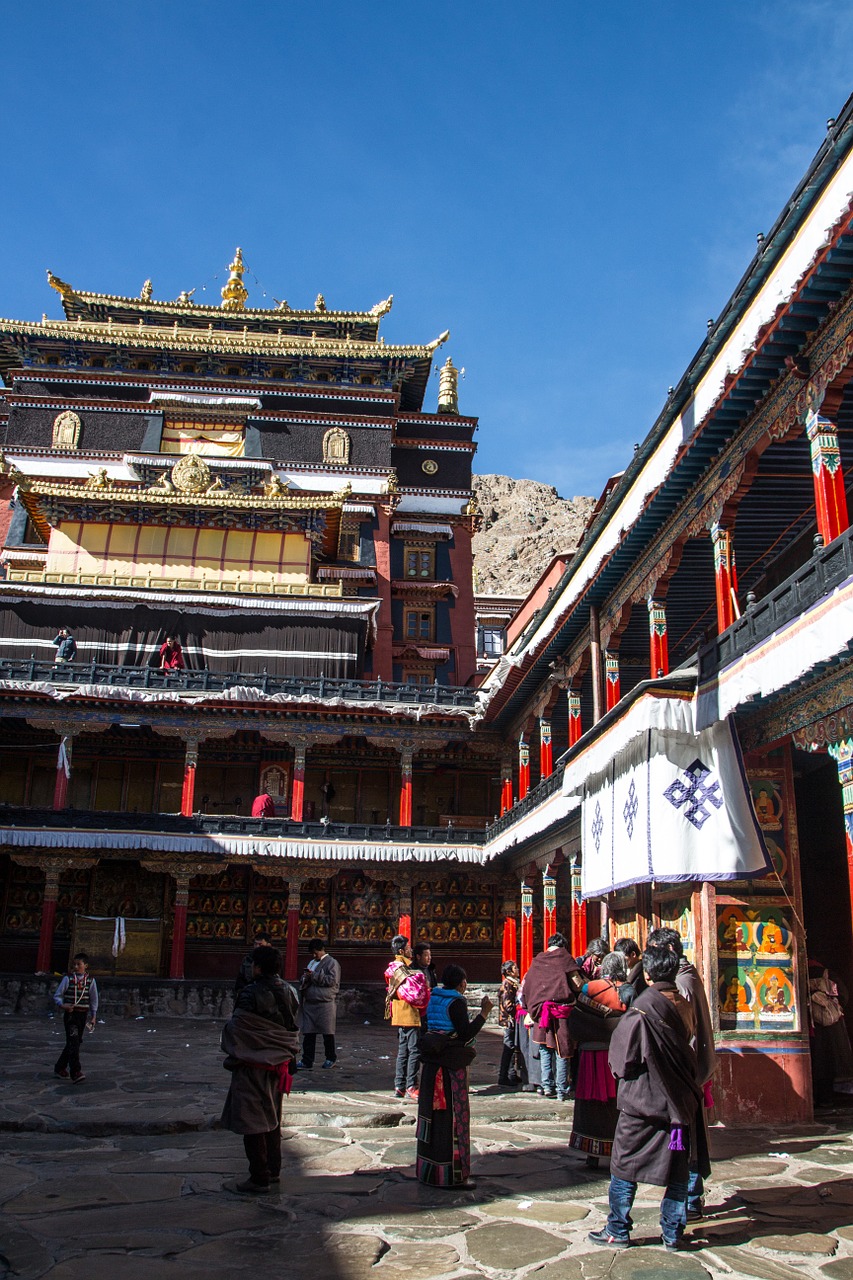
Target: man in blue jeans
(659,1097)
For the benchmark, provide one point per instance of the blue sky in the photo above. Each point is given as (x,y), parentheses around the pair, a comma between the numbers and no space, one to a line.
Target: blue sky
(573,190)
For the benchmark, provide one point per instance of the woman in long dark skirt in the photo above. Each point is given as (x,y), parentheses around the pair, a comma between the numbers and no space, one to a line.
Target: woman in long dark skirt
(447,1050)
(595,1114)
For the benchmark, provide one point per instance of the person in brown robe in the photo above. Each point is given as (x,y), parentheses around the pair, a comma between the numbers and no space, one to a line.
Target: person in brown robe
(260,1041)
(690,986)
(550,987)
(658,1097)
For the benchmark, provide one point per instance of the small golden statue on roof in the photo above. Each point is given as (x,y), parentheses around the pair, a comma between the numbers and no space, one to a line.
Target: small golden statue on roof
(448,387)
(382,308)
(98,479)
(185,297)
(392,484)
(147,291)
(320,303)
(275,487)
(234,292)
(64,290)
(161,485)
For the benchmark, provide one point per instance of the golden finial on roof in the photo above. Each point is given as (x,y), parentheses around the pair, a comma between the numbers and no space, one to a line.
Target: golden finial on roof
(234,292)
(320,304)
(392,484)
(448,387)
(147,291)
(63,289)
(382,308)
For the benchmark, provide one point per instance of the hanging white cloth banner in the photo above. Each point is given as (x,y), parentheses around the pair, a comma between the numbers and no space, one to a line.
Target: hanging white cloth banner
(119,937)
(62,761)
(662,802)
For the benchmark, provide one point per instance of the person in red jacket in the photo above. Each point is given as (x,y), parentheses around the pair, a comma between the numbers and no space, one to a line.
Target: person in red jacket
(171,655)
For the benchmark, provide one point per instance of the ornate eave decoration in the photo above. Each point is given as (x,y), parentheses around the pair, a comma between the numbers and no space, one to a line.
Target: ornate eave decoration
(223,342)
(184,306)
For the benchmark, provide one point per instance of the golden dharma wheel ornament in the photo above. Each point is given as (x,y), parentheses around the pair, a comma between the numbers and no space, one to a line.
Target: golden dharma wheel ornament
(191,474)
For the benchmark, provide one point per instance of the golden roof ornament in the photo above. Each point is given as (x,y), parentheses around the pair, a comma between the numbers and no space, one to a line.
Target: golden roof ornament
(191,474)
(448,387)
(185,297)
(320,303)
(234,292)
(147,291)
(382,308)
(64,290)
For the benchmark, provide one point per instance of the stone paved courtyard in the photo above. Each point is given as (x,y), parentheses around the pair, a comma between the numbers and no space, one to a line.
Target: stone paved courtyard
(122,1176)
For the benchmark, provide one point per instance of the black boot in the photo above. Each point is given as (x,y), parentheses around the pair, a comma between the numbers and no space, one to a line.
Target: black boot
(503,1071)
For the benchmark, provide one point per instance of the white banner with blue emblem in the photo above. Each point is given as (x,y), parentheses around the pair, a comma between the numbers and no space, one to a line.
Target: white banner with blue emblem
(662,802)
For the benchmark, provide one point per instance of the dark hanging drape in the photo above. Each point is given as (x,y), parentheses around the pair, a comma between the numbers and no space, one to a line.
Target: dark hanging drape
(225,641)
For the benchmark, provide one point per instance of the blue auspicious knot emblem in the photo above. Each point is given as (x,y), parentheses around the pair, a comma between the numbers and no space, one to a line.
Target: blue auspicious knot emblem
(631,809)
(692,792)
(597,826)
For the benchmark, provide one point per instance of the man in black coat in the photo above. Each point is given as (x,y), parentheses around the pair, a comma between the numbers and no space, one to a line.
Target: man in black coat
(658,1099)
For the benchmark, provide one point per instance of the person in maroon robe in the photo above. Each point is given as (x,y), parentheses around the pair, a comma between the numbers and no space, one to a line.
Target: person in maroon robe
(658,1098)
(551,985)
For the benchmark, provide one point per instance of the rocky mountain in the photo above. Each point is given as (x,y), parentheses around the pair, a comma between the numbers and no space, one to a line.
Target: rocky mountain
(525,523)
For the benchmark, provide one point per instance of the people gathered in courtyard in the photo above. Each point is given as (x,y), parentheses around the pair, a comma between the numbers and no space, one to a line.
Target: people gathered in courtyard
(645,1059)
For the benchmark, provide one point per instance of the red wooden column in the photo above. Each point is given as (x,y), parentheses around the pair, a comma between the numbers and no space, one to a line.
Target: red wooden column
(523,767)
(404,920)
(579,928)
(509,939)
(575,729)
(830,498)
(406,753)
(179,923)
(842,753)
(63,773)
(526,925)
(611,679)
(549,896)
(190,764)
(383,659)
(725,575)
(297,794)
(291,946)
(506,785)
(52,871)
(659,645)
(546,750)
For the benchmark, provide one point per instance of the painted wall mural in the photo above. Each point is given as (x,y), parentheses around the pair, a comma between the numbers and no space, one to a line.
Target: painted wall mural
(756,951)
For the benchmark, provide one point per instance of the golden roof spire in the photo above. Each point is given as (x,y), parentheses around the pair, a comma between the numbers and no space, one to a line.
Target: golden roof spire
(448,387)
(234,292)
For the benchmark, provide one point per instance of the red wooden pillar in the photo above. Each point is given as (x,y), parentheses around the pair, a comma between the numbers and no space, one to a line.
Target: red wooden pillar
(830,498)
(611,679)
(575,729)
(506,786)
(659,645)
(523,767)
(579,928)
(725,575)
(297,794)
(549,903)
(179,923)
(383,652)
(48,918)
(526,926)
(546,750)
(404,921)
(63,773)
(188,792)
(291,946)
(406,753)
(509,945)
(842,753)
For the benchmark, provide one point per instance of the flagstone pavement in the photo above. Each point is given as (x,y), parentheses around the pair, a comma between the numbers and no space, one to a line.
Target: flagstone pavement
(125,1177)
